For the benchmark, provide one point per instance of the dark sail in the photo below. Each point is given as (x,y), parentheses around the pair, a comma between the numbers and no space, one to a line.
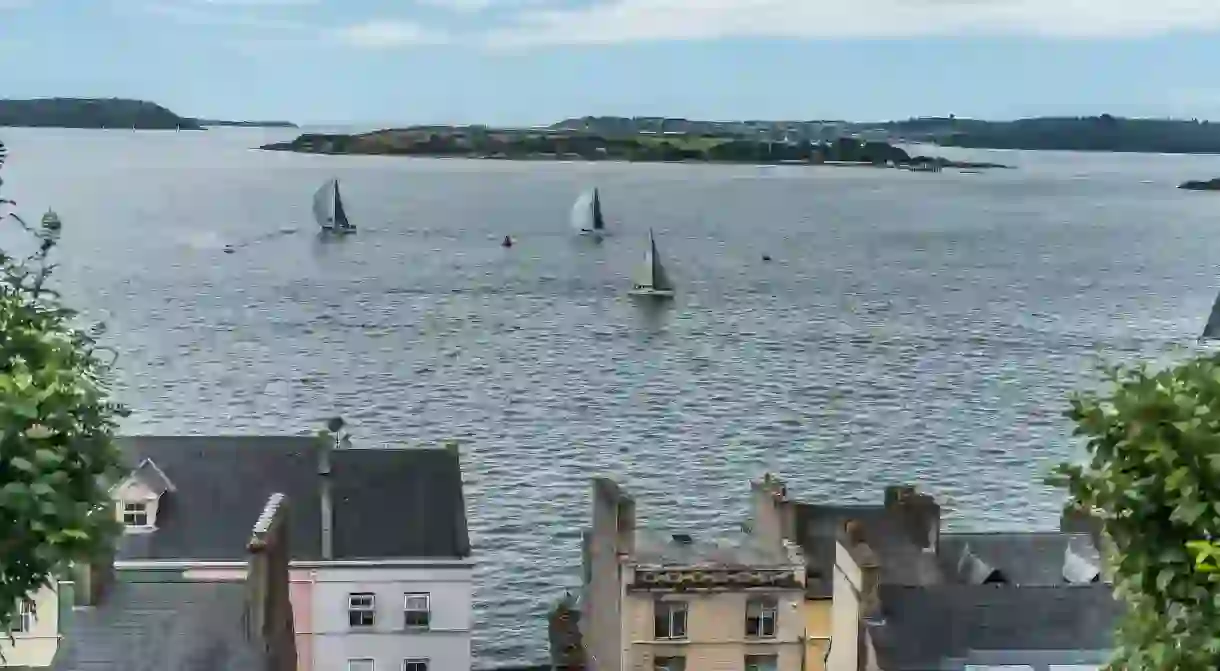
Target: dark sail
(1212,330)
(340,214)
(598,223)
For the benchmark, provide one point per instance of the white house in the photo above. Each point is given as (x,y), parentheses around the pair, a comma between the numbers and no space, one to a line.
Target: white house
(381,572)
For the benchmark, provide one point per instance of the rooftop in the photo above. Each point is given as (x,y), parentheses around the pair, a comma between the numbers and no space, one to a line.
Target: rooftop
(387,502)
(926,627)
(736,550)
(147,624)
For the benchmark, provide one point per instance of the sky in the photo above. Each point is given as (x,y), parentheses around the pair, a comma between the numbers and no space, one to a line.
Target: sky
(523,62)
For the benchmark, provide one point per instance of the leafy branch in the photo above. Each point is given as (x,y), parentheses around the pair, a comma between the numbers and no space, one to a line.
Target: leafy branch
(1153,477)
(57,423)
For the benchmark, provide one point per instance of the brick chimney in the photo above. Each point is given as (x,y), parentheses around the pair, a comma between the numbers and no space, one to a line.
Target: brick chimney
(93,578)
(268,616)
(773,516)
(856,598)
(918,513)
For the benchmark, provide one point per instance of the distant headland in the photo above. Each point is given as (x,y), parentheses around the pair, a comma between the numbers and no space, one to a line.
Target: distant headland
(560,143)
(107,113)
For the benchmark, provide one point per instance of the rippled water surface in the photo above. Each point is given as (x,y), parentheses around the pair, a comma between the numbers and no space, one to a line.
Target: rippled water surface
(910,326)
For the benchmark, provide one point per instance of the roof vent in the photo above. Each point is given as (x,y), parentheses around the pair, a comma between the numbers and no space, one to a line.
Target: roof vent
(683,539)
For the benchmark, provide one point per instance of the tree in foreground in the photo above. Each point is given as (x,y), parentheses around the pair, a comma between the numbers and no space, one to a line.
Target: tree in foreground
(57,455)
(1153,476)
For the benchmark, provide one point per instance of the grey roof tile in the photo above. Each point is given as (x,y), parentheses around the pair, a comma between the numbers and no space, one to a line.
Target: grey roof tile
(395,502)
(149,624)
(726,550)
(391,502)
(1022,558)
(923,626)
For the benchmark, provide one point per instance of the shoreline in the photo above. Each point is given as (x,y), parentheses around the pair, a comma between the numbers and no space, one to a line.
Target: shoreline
(939,163)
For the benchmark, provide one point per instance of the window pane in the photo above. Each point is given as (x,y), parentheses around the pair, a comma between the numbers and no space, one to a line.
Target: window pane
(417,618)
(762,662)
(416,602)
(415,665)
(360,665)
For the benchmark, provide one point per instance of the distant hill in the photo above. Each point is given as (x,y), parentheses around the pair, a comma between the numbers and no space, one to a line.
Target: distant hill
(91,113)
(1100,133)
(245,124)
(1097,133)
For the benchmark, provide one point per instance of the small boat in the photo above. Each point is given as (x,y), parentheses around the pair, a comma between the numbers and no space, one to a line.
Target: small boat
(328,210)
(651,280)
(51,222)
(508,241)
(229,249)
(587,213)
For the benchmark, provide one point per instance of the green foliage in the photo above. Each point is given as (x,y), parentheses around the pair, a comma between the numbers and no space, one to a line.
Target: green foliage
(1153,476)
(57,455)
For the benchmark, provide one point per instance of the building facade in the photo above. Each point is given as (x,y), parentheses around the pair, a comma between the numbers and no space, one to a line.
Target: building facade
(381,577)
(673,603)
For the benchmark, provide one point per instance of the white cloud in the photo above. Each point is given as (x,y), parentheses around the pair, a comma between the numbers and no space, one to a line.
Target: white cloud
(257,3)
(463,6)
(388,34)
(614,21)
(197,15)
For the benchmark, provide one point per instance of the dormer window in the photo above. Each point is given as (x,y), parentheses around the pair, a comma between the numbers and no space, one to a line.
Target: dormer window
(136,515)
(139,497)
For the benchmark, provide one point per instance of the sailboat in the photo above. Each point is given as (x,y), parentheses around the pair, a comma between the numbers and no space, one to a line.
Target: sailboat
(587,213)
(328,209)
(1211,330)
(651,280)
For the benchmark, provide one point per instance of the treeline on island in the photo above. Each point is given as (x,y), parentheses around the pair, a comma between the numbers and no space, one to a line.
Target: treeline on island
(1100,133)
(106,113)
(478,142)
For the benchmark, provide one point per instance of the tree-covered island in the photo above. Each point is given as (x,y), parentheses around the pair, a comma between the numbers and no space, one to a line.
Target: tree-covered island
(563,144)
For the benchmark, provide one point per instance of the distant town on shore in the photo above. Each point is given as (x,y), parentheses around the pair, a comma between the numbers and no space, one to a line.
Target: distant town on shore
(1094,133)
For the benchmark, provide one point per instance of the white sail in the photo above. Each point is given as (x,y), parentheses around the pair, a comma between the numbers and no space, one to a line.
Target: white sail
(582,212)
(587,213)
(650,279)
(324,205)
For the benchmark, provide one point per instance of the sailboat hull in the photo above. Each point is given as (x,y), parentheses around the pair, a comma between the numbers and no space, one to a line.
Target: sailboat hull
(658,294)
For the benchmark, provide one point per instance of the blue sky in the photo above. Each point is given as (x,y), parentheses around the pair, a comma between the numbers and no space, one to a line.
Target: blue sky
(536,61)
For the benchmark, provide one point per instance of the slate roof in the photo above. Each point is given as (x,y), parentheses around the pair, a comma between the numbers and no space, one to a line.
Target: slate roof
(147,624)
(725,550)
(1022,558)
(924,627)
(818,526)
(388,502)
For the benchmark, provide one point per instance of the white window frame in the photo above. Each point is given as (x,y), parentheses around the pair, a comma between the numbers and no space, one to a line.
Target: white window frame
(372,664)
(416,661)
(662,663)
(427,610)
(764,609)
(673,608)
(353,607)
(133,511)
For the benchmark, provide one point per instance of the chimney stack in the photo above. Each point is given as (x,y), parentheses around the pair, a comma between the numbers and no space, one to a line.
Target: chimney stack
(332,441)
(93,578)
(269,623)
(918,513)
